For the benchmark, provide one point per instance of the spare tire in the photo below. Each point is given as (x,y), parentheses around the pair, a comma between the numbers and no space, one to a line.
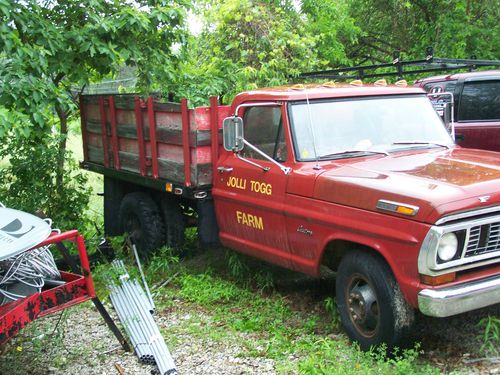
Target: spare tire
(141,219)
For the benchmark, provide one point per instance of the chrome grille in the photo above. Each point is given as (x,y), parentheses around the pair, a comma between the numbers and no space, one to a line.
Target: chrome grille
(483,239)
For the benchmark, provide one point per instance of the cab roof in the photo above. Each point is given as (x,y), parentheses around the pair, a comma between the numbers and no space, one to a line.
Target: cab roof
(324,91)
(457,76)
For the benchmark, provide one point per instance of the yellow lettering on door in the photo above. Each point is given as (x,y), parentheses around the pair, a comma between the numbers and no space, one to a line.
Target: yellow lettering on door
(250,220)
(237,183)
(261,187)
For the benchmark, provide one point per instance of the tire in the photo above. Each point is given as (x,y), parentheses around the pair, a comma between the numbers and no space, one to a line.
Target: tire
(174,223)
(371,306)
(140,218)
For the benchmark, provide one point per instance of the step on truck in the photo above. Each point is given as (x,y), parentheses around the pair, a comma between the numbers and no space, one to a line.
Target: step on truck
(362,180)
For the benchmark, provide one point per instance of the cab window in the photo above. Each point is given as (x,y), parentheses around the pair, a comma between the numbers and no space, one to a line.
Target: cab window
(264,130)
(480,101)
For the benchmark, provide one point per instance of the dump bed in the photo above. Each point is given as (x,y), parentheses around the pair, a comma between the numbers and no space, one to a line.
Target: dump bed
(128,136)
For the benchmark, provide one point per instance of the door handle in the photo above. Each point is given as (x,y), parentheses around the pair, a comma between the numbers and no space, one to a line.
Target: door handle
(224,169)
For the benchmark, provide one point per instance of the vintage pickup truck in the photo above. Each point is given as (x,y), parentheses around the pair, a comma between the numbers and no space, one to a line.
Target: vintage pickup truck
(360,179)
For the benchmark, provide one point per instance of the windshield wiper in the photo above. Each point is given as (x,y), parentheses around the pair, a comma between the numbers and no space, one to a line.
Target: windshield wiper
(355,153)
(420,143)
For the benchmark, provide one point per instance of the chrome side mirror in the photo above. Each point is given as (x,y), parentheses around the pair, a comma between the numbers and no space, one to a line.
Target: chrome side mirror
(232,131)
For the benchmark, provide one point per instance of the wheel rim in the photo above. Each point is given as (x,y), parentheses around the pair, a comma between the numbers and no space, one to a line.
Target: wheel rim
(362,305)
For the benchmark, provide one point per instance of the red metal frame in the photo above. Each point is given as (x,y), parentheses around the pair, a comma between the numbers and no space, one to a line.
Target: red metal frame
(78,288)
(185,142)
(104,132)
(152,137)
(140,136)
(114,133)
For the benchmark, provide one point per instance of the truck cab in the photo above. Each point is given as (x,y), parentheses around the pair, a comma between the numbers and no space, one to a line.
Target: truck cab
(367,182)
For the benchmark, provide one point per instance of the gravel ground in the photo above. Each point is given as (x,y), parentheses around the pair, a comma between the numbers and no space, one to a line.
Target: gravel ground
(88,347)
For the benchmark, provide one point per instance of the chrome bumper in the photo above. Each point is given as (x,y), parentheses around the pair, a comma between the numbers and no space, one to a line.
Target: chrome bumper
(460,298)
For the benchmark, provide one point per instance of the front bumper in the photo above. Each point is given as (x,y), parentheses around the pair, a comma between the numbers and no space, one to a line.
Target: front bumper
(460,298)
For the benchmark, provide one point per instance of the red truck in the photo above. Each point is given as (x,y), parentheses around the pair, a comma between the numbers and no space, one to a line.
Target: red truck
(362,180)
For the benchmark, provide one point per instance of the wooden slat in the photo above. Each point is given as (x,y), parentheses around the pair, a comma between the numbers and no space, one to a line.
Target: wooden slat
(104,132)
(163,135)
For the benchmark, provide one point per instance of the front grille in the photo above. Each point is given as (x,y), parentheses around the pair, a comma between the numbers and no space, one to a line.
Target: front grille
(483,239)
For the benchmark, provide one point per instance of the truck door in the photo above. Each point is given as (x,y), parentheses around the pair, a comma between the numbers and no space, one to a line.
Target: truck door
(249,199)
(479,114)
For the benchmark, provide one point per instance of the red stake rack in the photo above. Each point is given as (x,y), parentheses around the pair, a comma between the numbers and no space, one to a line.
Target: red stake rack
(77,288)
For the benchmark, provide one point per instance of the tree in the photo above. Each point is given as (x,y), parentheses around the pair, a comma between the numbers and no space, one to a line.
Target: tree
(52,49)
(335,28)
(457,29)
(244,44)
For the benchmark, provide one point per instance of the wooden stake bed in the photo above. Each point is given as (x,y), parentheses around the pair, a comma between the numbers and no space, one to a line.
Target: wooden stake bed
(148,138)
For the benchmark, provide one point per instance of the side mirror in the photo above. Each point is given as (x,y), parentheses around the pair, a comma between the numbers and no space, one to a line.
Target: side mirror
(232,131)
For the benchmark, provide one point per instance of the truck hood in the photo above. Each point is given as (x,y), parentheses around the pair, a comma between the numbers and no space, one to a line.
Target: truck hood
(438,182)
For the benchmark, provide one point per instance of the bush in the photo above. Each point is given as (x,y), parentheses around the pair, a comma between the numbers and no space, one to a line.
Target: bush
(28,181)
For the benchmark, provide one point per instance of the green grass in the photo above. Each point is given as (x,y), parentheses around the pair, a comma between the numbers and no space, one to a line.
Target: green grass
(265,325)
(491,335)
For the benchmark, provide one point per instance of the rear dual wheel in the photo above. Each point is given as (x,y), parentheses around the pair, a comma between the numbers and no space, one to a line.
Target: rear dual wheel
(140,218)
(371,306)
(150,227)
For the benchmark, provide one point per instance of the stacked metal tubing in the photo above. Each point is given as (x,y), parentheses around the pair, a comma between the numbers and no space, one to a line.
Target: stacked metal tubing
(134,311)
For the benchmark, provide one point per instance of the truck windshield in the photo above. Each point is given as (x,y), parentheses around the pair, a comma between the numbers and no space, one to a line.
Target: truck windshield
(325,129)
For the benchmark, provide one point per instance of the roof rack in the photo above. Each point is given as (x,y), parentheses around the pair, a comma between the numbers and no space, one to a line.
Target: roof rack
(429,64)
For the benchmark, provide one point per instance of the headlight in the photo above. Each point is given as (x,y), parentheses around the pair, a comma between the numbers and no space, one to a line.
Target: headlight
(448,246)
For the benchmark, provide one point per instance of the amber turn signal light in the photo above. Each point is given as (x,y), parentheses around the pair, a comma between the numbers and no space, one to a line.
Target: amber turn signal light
(438,280)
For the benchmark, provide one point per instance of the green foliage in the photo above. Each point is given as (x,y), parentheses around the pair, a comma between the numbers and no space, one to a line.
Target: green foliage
(162,261)
(244,44)
(335,28)
(49,51)
(456,29)
(491,335)
(249,270)
(335,357)
(206,290)
(29,182)
(331,308)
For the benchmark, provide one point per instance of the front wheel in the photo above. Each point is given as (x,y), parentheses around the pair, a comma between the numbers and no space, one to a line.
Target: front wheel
(371,306)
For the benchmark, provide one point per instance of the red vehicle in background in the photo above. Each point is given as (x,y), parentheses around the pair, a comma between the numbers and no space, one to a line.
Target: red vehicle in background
(360,179)
(477,105)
